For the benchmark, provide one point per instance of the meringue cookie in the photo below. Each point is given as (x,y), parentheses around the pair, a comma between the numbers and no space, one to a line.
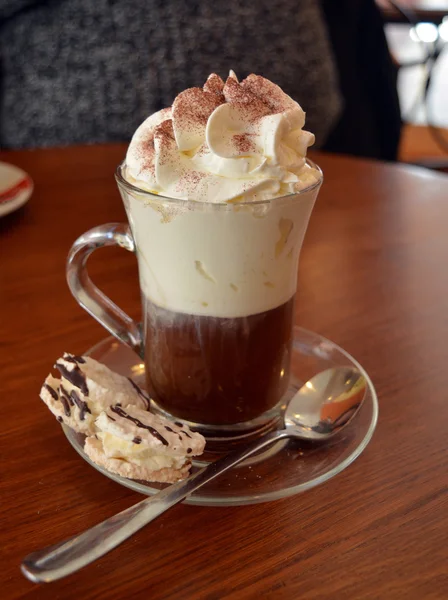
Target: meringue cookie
(137,444)
(227,142)
(85,388)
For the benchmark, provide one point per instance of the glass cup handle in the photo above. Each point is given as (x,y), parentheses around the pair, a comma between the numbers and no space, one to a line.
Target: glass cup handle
(89,296)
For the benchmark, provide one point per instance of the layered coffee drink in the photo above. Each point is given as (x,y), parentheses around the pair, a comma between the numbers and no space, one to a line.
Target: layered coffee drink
(218,194)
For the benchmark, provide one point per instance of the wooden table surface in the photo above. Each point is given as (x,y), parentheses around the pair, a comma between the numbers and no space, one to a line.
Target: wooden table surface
(373,278)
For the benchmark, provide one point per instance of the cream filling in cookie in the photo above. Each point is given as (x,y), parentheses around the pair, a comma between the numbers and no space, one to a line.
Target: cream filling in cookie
(137,453)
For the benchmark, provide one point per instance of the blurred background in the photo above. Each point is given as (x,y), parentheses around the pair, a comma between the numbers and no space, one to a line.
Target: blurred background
(417,35)
(372,75)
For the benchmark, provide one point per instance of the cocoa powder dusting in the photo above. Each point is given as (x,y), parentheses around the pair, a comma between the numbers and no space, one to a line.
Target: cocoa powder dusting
(252,107)
(269,93)
(254,98)
(214,85)
(164,132)
(243,143)
(145,154)
(192,108)
(164,140)
(189,183)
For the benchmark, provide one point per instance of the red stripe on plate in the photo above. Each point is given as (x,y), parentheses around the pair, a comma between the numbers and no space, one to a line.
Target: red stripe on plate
(23,184)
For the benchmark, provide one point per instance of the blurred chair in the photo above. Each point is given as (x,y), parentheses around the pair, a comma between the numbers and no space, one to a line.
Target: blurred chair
(423,145)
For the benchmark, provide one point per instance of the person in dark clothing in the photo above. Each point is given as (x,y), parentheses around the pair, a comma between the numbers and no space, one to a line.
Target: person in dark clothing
(84,71)
(370,123)
(76,71)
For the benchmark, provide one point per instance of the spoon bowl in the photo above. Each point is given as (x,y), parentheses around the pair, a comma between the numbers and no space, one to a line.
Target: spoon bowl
(325,404)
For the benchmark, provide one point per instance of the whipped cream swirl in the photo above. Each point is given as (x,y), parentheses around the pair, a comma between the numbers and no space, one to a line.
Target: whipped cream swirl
(227,142)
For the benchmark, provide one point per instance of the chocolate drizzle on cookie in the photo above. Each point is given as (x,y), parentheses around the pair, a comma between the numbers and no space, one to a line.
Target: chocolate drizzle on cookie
(137,440)
(139,392)
(69,358)
(63,392)
(81,404)
(53,393)
(179,424)
(76,377)
(73,358)
(122,413)
(65,404)
(73,399)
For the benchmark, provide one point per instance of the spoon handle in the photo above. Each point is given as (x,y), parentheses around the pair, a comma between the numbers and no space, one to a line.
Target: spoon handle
(69,556)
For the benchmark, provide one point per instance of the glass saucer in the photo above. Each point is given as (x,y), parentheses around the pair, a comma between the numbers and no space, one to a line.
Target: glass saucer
(287,468)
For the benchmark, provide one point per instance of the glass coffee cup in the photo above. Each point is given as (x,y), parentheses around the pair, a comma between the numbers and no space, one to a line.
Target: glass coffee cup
(218,283)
